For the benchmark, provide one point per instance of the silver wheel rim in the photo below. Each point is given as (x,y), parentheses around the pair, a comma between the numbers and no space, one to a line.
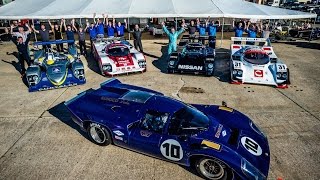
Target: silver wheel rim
(211,169)
(98,134)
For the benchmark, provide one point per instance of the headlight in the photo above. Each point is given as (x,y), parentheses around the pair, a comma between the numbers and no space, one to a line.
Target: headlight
(81,72)
(284,76)
(240,73)
(104,68)
(234,72)
(210,66)
(35,78)
(76,72)
(250,171)
(171,63)
(278,75)
(107,68)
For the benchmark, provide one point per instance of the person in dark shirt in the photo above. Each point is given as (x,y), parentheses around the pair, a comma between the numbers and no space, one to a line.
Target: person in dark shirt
(57,31)
(23,54)
(69,32)
(44,33)
(82,39)
(120,28)
(111,27)
(99,25)
(192,28)
(137,38)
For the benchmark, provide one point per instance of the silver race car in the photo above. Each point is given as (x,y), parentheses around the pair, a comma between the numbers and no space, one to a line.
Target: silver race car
(254,61)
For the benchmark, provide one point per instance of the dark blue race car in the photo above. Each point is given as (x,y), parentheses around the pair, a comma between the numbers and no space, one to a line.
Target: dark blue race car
(220,142)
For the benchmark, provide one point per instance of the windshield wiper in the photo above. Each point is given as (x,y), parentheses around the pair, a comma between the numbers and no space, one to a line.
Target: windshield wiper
(195,128)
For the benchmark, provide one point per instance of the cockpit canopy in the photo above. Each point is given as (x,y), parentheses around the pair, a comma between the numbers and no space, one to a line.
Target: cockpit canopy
(256,56)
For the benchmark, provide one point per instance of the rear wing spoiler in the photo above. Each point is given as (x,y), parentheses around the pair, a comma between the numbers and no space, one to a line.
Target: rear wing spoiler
(188,37)
(110,39)
(52,42)
(254,41)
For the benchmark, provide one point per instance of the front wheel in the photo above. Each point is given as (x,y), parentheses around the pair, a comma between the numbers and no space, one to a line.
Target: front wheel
(98,134)
(213,169)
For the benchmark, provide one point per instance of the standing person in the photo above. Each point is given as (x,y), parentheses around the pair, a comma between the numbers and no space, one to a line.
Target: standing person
(266,32)
(120,28)
(137,38)
(111,27)
(202,31)
(173,36)
(239,29)
(212,32)
(23,54)
(192,28)
(21,32)
(92,32)
(44,33)
(252,31)
(15,26)
(69,32)
(57,31)
(82,39)
(99,25)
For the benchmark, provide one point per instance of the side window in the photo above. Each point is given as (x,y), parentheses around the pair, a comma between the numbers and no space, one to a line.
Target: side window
(154,121)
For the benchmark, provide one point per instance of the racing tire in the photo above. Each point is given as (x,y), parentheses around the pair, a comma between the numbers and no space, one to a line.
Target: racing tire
(213,169)
(98,134)
(288,80)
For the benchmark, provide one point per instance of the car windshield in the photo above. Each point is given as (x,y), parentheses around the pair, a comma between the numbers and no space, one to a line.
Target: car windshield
(188,118)
(256,58)
(118,51)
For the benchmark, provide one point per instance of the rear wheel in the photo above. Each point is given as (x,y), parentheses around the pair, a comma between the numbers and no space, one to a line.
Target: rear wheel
(288,78)
(98,134)
(213,169)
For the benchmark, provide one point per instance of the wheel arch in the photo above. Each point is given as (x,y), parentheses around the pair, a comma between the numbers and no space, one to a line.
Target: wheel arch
(87,123)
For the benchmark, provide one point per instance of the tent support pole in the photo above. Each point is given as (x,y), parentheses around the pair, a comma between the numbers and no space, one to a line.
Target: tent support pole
(222,32)
(35,35)
(128,26)
(314,24)
(176,23)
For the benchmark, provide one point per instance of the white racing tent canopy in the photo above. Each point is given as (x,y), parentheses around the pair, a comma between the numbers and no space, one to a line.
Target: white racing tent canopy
(56,9)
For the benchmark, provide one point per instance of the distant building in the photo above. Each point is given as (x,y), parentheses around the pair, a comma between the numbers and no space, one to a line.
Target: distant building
(3,2)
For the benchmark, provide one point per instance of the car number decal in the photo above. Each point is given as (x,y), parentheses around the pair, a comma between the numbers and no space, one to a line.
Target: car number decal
(171,149)
(251,146)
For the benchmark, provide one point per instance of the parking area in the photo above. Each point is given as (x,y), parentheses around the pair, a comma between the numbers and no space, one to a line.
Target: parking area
(38,140)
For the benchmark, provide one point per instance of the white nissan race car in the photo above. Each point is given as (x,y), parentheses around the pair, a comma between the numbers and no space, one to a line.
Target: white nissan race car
(117,56)
(256,63)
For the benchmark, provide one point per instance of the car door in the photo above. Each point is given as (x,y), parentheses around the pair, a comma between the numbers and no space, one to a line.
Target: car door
(158,143)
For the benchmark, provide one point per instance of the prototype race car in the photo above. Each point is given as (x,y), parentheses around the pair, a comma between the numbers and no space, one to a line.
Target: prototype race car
(52,70)
(193,57)
(116,56)
(256,63)
(219,141)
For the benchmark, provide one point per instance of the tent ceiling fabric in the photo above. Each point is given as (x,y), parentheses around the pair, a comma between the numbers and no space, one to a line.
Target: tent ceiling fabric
(56,9)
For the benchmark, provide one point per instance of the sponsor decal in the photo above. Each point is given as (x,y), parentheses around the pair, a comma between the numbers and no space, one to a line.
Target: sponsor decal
(145,133)
(56,70)
(115,100)
(251,146)
(217,135)
(224,133)
(118,138)
(226,108)
(172,150)
(211,145)
(119,133)
(258,73)
(190,67)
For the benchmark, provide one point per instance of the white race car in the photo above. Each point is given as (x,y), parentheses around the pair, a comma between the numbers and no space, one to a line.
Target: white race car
(117,56)
(256,63)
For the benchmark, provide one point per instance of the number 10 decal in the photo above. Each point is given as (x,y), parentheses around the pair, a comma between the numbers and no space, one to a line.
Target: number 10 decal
(171,149)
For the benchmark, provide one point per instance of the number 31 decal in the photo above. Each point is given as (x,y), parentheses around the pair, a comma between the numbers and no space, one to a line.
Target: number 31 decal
(171,149)
(251,146)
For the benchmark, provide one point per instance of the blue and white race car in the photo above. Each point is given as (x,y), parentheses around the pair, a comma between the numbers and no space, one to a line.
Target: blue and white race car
(220,142)
(254,61)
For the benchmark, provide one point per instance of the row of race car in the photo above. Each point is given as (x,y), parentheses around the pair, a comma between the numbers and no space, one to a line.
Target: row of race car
(252,61)
(218,141)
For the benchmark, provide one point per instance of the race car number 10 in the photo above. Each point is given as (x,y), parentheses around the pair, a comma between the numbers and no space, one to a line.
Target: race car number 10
(171,149)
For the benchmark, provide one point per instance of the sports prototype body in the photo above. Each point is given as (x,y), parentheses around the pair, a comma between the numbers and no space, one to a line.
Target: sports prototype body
(116,56)
(220,142)
(51,70)
(257,63)
(192,57)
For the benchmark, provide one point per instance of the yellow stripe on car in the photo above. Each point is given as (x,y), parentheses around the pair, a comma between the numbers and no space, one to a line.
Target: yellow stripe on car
(61,82)
(211,145)
(226,108)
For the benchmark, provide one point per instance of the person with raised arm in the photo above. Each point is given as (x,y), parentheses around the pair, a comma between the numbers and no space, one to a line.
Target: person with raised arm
(69,31)
(173,36)
(44,34)
(57,31)
(82,38)
(111,27)
(212,32)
